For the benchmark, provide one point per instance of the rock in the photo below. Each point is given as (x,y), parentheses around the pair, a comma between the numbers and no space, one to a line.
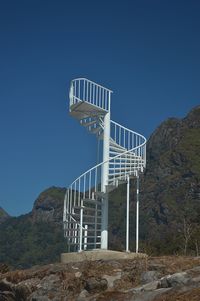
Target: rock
(78,274)
(22,292)
(164,282)
(5,285)
(96,284)
(83,295)
(151,286)
(149,276)
(111,279)
(7,296)
(178,279)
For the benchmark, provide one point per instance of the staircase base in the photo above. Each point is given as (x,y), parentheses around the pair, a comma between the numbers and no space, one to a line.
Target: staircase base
(99,254)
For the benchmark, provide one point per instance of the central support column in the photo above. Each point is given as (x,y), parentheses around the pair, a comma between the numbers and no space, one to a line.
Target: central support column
(104,182)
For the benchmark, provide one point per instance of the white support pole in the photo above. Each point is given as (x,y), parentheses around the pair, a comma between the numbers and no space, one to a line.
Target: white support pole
(137,212)
(81,229)
(85,237)
(127,214)
(104,181)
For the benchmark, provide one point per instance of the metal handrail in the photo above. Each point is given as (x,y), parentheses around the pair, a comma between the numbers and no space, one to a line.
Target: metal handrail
(84,90)
(83,78)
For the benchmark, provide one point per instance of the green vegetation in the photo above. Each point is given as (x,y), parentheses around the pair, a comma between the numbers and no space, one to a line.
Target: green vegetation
(24,244)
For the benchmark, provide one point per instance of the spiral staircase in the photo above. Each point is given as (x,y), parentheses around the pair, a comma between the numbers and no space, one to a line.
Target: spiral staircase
(85,214)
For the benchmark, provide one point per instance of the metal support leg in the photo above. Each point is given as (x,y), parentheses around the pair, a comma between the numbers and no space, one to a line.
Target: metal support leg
(81,229)
(127,214)
(137,212)
(85,237)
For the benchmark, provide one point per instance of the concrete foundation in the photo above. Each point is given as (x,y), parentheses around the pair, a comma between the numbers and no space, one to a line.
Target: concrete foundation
(99,255)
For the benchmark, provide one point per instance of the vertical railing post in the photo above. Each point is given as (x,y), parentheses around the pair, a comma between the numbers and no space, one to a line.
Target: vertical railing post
(81,228)
(137,212)
(85,237)
(127,213)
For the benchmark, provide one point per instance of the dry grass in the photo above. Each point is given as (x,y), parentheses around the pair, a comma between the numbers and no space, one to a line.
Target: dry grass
(174,264)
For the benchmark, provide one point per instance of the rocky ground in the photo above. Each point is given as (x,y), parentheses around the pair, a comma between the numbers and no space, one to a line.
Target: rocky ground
(156,278)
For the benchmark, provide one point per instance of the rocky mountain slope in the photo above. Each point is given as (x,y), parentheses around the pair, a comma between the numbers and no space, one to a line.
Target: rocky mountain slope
(171,185)
(36,237)
(169,204)
(170,191)
(3,215)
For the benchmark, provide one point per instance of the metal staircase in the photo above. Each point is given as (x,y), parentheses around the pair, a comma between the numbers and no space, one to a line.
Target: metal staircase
(85,215)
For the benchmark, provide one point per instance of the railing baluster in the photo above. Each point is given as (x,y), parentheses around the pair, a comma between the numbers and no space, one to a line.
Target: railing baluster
(84,90)
(84,187)
(97,100)
(90,93)
(75,194)
(100,98)
(87,91)
(93,90)
(90,185)
(79,195)
(124,137)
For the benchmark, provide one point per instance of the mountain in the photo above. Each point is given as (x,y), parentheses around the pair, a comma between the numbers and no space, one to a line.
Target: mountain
(170,191)
(3,215)
(169,204)
(36,237)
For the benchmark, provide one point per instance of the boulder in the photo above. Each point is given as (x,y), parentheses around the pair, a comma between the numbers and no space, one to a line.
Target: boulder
(149,276)
(95,285)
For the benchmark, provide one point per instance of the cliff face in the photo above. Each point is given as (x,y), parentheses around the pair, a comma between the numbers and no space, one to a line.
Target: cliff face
(48,207)
(170,189)
(36,237)
(172,179)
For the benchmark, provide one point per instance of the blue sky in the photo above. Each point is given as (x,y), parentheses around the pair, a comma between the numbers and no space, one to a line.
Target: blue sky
(147,52)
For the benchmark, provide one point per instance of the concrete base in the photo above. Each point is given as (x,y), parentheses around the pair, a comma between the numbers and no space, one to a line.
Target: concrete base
(99,255)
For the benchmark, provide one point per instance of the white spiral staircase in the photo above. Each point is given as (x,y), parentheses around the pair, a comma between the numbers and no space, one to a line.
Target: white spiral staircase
(85,215)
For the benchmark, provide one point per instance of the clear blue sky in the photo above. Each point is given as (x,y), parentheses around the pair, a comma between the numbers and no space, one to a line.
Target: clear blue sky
(147,52)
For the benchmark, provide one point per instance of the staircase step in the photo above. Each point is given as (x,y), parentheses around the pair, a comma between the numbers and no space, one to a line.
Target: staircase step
(110,188)
(84,224)
(117,149)
(86,208)
(88,123)
(95,130)
(84,215)
(100,194)
(124,153)
(114,143)
(92,201)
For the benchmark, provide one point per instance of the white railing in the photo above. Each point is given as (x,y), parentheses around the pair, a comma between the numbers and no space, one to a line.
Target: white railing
(82,89)
(126,139)
(84,194)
